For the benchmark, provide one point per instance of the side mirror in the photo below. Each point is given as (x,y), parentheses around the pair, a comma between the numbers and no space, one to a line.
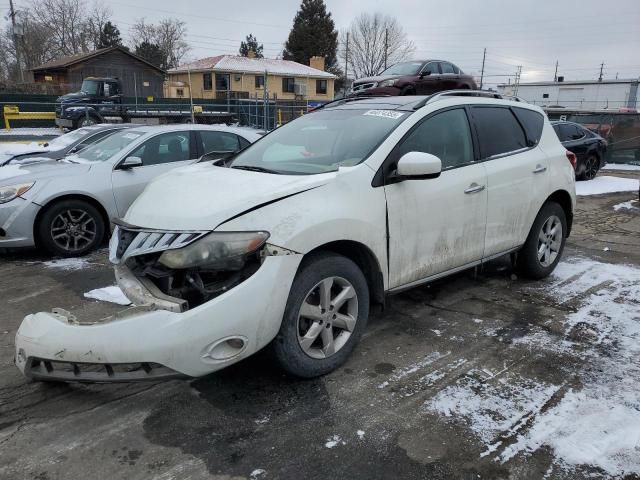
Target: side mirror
(418,166)
(131,162)
(426,72)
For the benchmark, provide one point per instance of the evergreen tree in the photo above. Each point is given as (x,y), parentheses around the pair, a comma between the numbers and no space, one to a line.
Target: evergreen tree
(313,33)
(152,53)
(109,36)
(251,44)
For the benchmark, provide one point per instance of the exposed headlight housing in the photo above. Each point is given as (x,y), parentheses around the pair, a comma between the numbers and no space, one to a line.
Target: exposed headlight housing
(14,191)
(215,248)
(387,83)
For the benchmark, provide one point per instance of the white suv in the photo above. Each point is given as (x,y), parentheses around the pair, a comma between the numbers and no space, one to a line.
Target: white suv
(288,244)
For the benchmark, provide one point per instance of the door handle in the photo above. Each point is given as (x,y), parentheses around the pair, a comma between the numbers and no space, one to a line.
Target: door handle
(474,188)
(540,169)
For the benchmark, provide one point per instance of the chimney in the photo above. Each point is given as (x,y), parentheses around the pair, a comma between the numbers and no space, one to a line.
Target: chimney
(251,54)
(317,63)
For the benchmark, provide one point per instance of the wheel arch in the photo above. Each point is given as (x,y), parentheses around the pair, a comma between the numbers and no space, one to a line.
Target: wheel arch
(72,196)
(563,198)
(365,259)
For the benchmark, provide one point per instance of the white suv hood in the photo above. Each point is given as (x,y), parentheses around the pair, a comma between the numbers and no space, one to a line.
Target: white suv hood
(201,196)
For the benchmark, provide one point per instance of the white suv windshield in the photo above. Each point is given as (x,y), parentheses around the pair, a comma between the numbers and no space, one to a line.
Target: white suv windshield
(321,141)
(109,146)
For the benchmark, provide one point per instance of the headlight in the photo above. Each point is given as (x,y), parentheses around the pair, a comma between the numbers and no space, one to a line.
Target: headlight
(386,83)
(214,248)
(13,191)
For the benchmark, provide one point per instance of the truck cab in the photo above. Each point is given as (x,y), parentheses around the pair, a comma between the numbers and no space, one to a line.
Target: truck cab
(98,97)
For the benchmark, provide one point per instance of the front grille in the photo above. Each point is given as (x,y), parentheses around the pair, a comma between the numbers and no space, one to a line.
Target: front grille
(126,243)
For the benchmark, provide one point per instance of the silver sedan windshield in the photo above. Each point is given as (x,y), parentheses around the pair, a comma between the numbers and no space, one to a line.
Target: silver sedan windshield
(109,146)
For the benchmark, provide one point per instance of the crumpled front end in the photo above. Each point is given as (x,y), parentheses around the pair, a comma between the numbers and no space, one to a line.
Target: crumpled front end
(188,321)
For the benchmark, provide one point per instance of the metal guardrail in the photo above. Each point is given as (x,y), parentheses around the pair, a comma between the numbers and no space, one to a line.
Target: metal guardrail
(12,112)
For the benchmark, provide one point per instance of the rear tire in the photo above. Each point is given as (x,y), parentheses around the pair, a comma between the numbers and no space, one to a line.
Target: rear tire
(544,246)
(70,228)
(87,121)
(591,167)
(325,316)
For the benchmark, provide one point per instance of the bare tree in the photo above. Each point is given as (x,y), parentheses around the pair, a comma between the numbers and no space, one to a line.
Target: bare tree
(97,18)
(366,55)
(169,36)
(66,21)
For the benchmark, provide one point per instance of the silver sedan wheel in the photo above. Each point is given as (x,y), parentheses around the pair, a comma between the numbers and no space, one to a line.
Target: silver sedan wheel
(327,317)
(73,229)
(549,241)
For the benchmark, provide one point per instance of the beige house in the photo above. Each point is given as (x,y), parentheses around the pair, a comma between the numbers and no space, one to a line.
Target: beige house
(244,77)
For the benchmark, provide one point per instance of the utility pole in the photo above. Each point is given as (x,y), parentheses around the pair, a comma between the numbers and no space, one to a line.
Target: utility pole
(12,14)
(601,68)
(386,46)
(484,56)
(346,63)
(555,75)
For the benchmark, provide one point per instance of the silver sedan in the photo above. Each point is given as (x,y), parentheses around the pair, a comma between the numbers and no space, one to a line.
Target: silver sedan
(65,206)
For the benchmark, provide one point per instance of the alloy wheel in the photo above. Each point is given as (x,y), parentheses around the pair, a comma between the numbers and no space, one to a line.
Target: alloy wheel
(590,168)
(73,230)
(327,317)
(549,241)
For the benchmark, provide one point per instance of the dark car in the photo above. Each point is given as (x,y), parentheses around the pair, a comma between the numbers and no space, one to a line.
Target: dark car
(66,144)
(418,77)
(589,147)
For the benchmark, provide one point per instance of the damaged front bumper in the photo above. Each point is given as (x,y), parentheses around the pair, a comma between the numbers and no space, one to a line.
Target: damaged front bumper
(152,341)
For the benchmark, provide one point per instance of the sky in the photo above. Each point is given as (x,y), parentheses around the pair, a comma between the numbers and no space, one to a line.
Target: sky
(578,34)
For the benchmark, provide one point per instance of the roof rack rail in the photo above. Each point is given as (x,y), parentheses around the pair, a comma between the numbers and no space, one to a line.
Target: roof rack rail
(466,93)
(342,100)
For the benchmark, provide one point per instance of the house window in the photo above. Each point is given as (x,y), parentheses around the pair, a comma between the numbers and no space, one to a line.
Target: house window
(545,95)
(207,81)
(321,87)
(222,82)
(259,81)
(288,85)
(180,92)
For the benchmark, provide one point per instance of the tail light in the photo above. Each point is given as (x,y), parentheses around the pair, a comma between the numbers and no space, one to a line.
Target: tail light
(572,159)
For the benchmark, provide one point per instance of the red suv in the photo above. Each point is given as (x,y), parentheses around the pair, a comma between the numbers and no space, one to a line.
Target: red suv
(417,77)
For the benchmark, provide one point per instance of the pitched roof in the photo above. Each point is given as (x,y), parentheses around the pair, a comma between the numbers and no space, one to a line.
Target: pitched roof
(236,63)
(64,62)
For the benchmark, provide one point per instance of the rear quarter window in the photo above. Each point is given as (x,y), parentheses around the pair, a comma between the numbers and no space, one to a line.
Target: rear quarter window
(532,122)
(499,131)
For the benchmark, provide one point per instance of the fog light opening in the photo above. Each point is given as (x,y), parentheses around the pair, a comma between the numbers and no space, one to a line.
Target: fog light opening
(225,349)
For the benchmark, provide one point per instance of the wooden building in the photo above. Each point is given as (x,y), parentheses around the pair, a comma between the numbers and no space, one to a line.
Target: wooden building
(138,76)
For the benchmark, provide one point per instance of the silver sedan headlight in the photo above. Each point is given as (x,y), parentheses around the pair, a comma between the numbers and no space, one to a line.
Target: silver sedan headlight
(386,83)
(215,248)
(13,191)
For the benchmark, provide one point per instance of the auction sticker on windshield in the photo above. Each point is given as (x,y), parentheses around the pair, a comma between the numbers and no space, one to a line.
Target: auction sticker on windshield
(384,114)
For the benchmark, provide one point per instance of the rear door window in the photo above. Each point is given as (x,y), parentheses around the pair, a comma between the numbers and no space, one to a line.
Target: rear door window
(498,131)
(532,123)
(219,142)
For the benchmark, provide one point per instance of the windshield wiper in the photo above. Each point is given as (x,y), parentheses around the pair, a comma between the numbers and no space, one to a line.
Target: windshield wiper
(252,168)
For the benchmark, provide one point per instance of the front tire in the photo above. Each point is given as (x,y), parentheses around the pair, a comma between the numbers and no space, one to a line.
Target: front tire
(70,228)
(325,316)
(543,249)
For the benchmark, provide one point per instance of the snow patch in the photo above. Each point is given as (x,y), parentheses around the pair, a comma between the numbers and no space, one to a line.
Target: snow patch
(360,434)
(257,473)
(630,205)
(334,441)
(621,166)
(68,263)
(111,294)
(597,425)
(605,184)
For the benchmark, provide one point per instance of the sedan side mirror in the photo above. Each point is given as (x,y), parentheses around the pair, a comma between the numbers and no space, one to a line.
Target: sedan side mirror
(131,162)
(418,166)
